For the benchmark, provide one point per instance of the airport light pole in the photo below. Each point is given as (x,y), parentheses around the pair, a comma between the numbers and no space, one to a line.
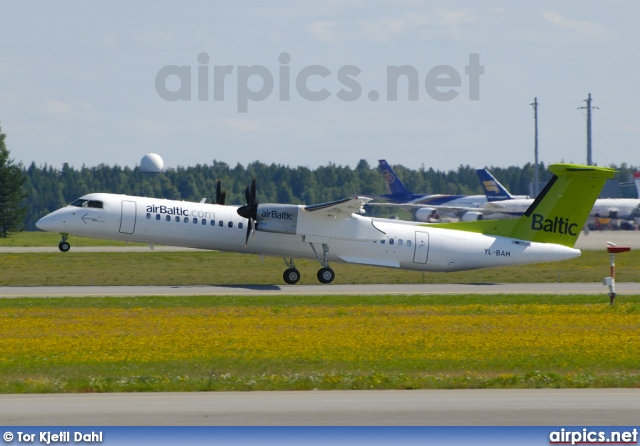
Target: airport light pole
(536,179)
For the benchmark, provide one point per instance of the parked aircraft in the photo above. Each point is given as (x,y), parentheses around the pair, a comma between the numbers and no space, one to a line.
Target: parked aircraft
(337,232)
(500,203)
(428,207)
(493,189)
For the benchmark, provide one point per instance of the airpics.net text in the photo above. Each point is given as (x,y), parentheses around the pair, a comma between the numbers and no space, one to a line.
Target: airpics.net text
(255,83)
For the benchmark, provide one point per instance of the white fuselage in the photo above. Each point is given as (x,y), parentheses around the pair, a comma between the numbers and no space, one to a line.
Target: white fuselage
(625,208)
(390,243)
(463,201)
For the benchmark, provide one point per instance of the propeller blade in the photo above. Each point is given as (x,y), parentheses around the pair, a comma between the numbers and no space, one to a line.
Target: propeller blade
(246,239)
(221,195)
(250,211)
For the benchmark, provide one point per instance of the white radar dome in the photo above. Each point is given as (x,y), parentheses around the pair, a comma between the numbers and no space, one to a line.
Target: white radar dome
(151,162)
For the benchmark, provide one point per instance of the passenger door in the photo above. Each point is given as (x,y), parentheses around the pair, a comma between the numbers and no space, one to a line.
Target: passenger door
(128,218)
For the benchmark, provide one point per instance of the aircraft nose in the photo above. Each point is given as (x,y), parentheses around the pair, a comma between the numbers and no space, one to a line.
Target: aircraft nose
(53,222)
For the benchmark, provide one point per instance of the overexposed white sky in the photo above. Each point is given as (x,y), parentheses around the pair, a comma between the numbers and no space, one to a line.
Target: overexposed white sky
(78,82)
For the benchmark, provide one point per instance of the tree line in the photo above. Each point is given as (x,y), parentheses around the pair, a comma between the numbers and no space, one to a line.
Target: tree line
(48,188)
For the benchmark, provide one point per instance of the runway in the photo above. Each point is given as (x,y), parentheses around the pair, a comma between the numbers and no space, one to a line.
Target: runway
(320,290)
(511,407)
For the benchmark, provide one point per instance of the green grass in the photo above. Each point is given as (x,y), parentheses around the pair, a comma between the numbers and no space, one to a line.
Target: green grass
(44,239)
(218,268)
(214,370)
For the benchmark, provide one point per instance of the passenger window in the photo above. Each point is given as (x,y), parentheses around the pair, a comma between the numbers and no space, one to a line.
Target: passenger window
(400,242)
(220,223)
(148,216)
(186,219)
(204,221)
(168,218)
(177,219)
(213,222)
(408,243)
(382,242)
(240,225)
(195,221)
(158,217)
(231,224)
(391,241)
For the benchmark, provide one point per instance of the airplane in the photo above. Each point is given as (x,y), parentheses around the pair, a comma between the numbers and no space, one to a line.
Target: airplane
(500,203)
(507,205)
(427,207)
(338,232)
(493,189)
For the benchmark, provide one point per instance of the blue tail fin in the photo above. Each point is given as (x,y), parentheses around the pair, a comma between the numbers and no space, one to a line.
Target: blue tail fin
(492,187)
(393,183)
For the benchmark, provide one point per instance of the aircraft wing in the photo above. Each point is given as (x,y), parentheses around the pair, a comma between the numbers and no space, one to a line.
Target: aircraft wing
(339,220)
(487,210)
(340,208)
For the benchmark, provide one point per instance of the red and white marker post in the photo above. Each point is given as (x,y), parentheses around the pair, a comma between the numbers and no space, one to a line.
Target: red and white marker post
(612,249)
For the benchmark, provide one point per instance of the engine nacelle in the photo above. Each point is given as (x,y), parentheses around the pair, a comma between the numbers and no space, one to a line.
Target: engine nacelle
(472,216)
(279,218)
(428,215)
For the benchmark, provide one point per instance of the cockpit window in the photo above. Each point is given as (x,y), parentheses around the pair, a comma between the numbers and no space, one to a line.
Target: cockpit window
(84,203)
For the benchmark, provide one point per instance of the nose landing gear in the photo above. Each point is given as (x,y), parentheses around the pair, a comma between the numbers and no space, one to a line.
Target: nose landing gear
(64,246)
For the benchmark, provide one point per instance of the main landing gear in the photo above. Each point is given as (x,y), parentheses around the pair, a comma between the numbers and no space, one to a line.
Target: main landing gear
(64,246)
(325,274)
(291,274)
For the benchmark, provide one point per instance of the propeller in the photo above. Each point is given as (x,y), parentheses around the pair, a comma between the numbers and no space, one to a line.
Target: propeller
(221,195)
(250,210)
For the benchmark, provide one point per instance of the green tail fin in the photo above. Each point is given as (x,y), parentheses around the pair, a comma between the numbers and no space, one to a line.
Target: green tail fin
(558,214)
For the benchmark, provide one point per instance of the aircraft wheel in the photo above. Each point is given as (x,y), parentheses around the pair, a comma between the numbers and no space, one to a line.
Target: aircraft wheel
(291,276)
(326,275)
(64,246)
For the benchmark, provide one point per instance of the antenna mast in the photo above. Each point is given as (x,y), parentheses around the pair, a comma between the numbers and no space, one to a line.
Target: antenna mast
(589,108)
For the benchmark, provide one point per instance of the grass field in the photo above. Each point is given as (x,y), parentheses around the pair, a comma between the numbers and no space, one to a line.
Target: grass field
(302,342)
(40,238)
(214,268)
